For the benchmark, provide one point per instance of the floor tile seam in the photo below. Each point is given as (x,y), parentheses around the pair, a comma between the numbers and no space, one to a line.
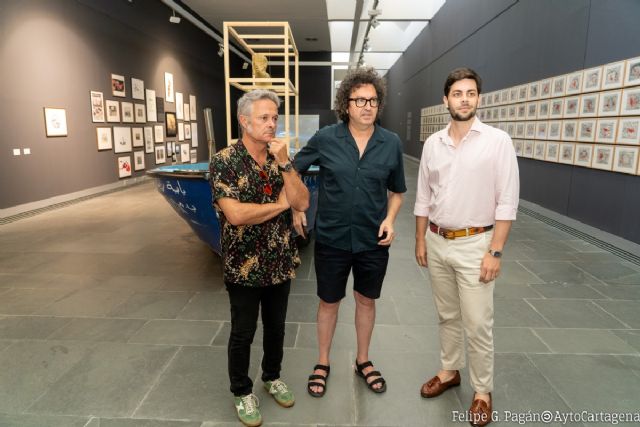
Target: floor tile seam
(529,271)
(91,418)
(594,302)
(587,273)
(156,381)
(634,371)
(591,286)
(553,387)
(213,339)
(526,300)
(535,334)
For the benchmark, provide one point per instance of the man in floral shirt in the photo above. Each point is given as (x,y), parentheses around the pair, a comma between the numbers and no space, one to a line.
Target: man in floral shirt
(254,186)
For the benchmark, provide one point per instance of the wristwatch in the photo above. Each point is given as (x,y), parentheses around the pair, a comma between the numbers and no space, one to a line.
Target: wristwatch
(288,167)
(496,254)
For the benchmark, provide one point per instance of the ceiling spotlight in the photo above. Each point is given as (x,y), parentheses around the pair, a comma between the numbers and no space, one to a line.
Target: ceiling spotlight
(245,65)
(366,46)
(174,19)
(375,22)
(374,12)
(220,50)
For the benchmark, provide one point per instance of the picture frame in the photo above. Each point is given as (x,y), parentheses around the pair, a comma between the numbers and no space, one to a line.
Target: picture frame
(630,102)
(583,155)
(587,130)
(569,130)
(140,113)
(187,131)
(520,130)
(558,87)
(632,73)
(606,129)
(192,106)
(609,103)
(160,109)
(513,113)
(55,121)
(541,130)
(137,135)
(122,139)
(625,159)
(137,88)
(158,133)
(97,107)
(187,115)
(528,149)
(160,154)
(521,111)
(180,131)
(589,105)
(113,111)
(504,96)
(513,95)
(517,146)
(194,134)
(523,91)
(628,130)
(530,130)
(554,131)
(193,156)
(127,112)
(511,129)
(171,124)
(179,106)
(613,75)
(574,83)
(503,113)
(104,138)
(185,154)
(539,150)
(532,110)
(571,107)
(150,101)
(552,152)
(556,107)
(567,151)
(168,87)
(496,97)
(543,109)
(171,150)
(545,88)
(124,166)
(533,92)
(148,139)
(138,160)
(602,157)
(118,87)
(592,79)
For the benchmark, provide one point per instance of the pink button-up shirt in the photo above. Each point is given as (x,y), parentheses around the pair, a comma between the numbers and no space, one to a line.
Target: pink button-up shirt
(470,185)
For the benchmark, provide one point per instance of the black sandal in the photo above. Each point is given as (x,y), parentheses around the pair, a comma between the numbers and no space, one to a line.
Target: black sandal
(360,372)
(313,383)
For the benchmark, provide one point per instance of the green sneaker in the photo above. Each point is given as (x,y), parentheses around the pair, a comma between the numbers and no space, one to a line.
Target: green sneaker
(280,393)
(247,408)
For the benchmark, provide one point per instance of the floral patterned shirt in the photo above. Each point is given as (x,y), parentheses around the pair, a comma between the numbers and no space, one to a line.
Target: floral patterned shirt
(253,255)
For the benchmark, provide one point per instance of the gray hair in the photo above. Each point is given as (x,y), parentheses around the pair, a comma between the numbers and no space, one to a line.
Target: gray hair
(245,103)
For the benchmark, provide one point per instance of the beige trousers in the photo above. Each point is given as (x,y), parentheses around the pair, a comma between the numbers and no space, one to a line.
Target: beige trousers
(463,304)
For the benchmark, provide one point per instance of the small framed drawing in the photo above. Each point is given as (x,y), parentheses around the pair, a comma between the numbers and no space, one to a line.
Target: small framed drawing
(609,103)
(487,99)
(185,155)
(625,159)
(541,130)
(187,113)
(567,150)
(519,130)
(138,137)
(569,130)
(532,110)
(513,112)
(137,88)
(148,139)
(504,96)
(545,89)
(117,86)
(521,110)
(583,155)
(194,134)
(552,153)
(612,75)
(121,139)
(588,105)
(533,91)
(124,166)
(193,155)
(556,107)
(513,95)
(571,106)
(511,129)
(630,102)
(138,160)
(179,106)
(522,92)
(592,79)
(574,83)
(171,123)
(113,111)
(104,139)
(543,109)
(187,131)
(606,130)
(629,130)
(632,75)
(554,130)
(557,87)
(160,154)
(158,133)
(495,116)
(517,146)
(528,149)
(141,115)
(168,87)
(55,120)
(587,130)
(180,131)
(530,130)
(192,105)
(97,107)
(602,157)
(503,113)
(152,115)
(538,150)
(127,112)
(496,98)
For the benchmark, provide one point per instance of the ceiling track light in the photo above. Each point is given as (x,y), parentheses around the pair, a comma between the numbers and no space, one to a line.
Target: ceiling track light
(375,23)
(174,19)
(220,50)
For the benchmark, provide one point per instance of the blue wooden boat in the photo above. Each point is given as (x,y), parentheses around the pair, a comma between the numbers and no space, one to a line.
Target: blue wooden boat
(186,188)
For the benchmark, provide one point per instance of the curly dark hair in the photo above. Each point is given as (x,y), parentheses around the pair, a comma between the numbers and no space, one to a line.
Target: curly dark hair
(353,80)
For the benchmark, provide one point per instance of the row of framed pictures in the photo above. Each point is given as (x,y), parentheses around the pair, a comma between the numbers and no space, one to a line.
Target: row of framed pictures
(622,159)
(119,88)
(184,154)
(123,139)
(138,112)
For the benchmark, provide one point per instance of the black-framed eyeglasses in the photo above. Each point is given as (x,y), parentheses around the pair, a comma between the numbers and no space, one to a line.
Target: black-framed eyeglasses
(361,102)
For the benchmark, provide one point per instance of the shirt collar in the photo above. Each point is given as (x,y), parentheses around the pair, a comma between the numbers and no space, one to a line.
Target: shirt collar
(342,131)
(476,127)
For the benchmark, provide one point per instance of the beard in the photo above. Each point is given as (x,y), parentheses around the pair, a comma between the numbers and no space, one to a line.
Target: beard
(460,117)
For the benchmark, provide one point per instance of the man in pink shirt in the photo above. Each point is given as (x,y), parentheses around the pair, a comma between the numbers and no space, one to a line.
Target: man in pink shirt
(467,197)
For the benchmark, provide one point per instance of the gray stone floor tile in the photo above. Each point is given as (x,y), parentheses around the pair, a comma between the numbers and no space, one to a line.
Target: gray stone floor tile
(28,301)
(139,422)
(584,341)
(26,420)
(211,283)
(568,290)
(631,337)
(612,273)
(543,250)
(344,337)
(583,247)
(152,305)
(575,314)
(504,290)
(207,306)
(626,311)
(94,303)
(386,313)
(176,332)
(132,283)
(4,344)
(413,310)
(517,340)
(28,327)
(109,381)
(628,292)
(304,287)
(513,273)
(304,308)
(409,337)
(516,312)
(631,362)
(88,329)
(558,272)
(290,335)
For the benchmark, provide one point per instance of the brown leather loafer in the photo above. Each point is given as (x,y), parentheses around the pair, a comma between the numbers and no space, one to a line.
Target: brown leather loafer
(434,387)
(480,412)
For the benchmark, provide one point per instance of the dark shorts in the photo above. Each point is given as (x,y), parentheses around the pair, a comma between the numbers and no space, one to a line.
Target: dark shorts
(334,265)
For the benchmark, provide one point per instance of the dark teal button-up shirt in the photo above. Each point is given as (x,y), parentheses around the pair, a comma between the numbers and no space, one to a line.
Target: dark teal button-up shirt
(352,199)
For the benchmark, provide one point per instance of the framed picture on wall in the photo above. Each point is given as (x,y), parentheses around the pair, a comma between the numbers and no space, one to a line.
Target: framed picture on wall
(543,109)
(583,155)
(194,134)
(513,113)
(592,79)
(513,94)
(185,153)
(151,105)
(629,130)
(520,130)
(574,83)
(104,139)
(567,150)
(171,123)
(545,89)
(557,88)
(160,109)
(518,145)
(632,75)
(55,120)
(160,154)
(530,130)
(168,87)
(521,111)
(124,166)
(556,107)
(602,157)
(587,130)
(137,88)
(571,106)
(187,113)
(554,130)
(118,86)
(138,160)
(523,90)
(533,91)
(127,112)
(552,152)
(609,103)
(141,116)
(541,130)
(193,155)
(588,105)
(138,137)
(180,131)
(148,139)
(612,75)
(97,107)
(606,130)
(179,106)
(192,106)
(532,110)
(158,133)
(113,111)
(121,139)
(528,149)
(538,150)
(630,102)
(569,128)
(625,159)
(504,96)
(503,113)
(187,131)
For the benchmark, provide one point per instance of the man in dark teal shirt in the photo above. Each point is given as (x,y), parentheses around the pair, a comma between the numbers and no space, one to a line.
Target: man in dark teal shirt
(361,186)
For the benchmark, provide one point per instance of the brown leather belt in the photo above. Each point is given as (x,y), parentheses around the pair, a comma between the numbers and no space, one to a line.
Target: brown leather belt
(454,234)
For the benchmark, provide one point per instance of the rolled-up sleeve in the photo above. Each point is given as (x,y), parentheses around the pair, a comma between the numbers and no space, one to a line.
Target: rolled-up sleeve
(423,193)
(507,184)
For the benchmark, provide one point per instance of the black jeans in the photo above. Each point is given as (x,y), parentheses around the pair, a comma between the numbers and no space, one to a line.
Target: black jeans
(245,303)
